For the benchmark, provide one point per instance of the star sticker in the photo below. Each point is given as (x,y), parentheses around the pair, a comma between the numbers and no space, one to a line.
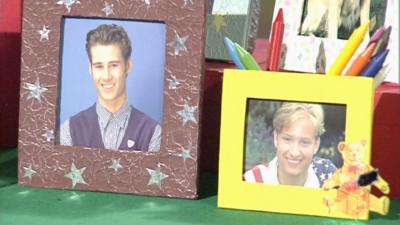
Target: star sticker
(185,154)
(187,113)
(147,2)
(318,161)
(48,134)
(35,90)
(115,165)
(178,44)
(322,176)
(68,3)
(173,83)
(108,9)
(156,176)
(218,22)
(76,175)
(29,172)
(186,2)
(44,33)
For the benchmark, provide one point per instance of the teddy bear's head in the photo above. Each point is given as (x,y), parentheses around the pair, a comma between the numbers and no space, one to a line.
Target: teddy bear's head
(352,153)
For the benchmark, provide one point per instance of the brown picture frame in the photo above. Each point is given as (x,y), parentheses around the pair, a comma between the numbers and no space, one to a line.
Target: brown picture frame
(171,172)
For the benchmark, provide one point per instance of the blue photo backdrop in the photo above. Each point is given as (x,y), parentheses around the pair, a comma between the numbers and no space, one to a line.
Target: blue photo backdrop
(145,84)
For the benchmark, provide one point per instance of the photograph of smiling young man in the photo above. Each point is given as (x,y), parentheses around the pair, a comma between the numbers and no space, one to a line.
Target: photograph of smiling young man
(111,122)
(297,130)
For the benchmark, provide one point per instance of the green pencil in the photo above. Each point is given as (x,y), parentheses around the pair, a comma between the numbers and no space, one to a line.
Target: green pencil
(247,60)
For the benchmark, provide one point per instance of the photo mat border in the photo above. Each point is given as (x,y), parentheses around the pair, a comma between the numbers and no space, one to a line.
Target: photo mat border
(233,192)
(172,172)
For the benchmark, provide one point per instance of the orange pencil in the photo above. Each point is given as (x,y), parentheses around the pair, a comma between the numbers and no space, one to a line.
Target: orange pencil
(361,61)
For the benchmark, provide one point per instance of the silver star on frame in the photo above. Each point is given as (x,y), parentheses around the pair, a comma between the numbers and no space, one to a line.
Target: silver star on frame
(186,2)
(156,176)
(76,175)
(178,44)
(115,165)
(29,172)
(68,3)
(35,90)
(48,134)
(185,154)
(44,33)
(173,83)
(108,9)
(187,114)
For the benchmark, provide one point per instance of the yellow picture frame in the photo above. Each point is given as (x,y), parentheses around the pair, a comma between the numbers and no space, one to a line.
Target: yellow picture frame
(357,93)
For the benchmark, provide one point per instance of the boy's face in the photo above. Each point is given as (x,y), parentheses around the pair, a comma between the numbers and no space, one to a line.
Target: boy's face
(109,71)
(296,145)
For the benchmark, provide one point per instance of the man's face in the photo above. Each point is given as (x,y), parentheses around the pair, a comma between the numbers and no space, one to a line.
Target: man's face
(296,145)
(109,71)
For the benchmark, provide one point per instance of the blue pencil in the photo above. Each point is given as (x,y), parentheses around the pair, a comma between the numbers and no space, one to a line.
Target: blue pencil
(375,64)
(230,46)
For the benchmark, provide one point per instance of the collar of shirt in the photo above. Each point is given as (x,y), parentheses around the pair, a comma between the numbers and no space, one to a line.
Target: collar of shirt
(119,117)
(311,182)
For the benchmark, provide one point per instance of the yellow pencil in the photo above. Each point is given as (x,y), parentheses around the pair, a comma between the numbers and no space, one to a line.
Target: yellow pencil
(347,52)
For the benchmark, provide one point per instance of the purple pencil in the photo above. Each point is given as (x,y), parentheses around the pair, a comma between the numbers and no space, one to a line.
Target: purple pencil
(377,35)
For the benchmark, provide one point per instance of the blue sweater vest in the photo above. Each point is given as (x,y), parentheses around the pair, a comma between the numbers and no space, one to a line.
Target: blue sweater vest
(85,130)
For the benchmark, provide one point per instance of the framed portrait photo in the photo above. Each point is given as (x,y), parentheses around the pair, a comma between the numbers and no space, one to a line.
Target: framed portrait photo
(281,145)
(316,31)
(110,95)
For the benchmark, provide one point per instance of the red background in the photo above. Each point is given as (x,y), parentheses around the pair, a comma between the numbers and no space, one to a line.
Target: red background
(10,54)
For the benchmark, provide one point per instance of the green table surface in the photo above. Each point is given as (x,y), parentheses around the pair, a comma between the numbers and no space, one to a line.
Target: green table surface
(23,205)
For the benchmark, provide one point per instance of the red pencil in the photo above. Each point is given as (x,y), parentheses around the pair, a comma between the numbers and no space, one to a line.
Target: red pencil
(275,44)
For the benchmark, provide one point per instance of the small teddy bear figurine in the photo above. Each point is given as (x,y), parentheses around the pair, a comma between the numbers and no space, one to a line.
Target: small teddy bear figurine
(351,197)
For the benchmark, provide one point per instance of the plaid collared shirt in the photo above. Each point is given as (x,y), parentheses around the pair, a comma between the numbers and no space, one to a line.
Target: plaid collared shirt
(113,125)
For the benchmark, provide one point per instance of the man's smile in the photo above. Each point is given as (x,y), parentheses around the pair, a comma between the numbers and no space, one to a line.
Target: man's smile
(293,161)
(107,85)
